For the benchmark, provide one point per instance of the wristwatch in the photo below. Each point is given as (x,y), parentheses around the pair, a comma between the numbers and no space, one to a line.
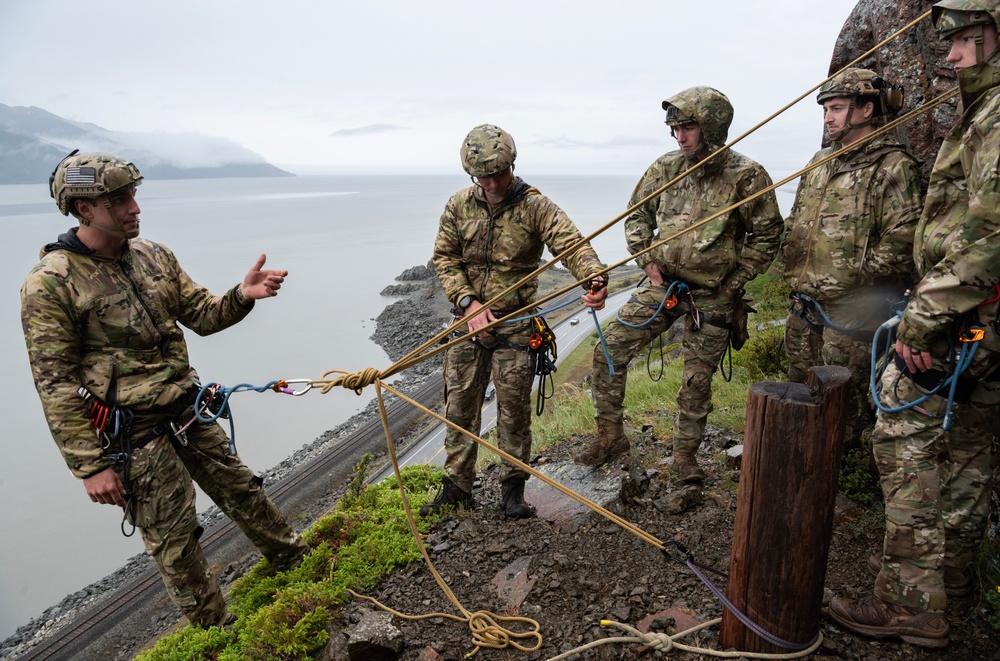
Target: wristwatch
(466,301)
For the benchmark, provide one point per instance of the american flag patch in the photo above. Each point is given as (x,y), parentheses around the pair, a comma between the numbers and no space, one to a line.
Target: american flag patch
(81,175)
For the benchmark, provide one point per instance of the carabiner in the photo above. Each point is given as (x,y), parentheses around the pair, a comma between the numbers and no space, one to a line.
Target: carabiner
(972,335)
(680,547)
(283,386)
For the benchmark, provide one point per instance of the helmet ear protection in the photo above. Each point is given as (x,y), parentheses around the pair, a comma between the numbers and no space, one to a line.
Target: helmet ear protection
(890,97)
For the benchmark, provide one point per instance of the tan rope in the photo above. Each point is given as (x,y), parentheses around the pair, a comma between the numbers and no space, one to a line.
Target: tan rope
(485,626)
(417,354)
(410,359)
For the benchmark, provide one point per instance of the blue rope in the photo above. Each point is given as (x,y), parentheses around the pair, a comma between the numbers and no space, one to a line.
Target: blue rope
(224,410)
(965,356)
(597,324)
(543,312)
(826,319)
(604,345)
(679,285)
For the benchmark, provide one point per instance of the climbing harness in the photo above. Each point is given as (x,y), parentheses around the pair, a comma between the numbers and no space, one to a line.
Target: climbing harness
(931,382)
(669,302)
(114,424)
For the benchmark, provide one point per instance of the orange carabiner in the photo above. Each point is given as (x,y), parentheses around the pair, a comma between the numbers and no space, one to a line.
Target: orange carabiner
(972,335)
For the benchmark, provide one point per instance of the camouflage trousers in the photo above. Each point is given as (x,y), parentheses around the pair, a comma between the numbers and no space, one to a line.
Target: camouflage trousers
(164,512)
(702,346)
(936,486)
(806,348)
(468,367)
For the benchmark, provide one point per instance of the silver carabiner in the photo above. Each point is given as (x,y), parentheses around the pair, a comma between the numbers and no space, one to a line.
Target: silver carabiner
(282,386)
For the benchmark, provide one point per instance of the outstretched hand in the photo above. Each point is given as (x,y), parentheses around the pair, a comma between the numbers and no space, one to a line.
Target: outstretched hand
(260,283)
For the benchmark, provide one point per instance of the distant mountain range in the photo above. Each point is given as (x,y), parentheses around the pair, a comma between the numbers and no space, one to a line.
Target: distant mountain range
(33,141)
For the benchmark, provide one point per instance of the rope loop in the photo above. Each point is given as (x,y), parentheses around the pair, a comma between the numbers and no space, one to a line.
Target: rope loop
(486,632)
(356,381)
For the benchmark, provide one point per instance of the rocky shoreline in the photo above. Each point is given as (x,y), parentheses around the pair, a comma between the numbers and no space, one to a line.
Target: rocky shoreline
(402,326)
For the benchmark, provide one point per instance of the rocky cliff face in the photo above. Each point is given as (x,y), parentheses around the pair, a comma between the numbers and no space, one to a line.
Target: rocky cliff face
(915,60)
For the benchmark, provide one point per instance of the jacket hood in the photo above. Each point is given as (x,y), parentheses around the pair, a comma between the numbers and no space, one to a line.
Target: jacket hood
(68,241)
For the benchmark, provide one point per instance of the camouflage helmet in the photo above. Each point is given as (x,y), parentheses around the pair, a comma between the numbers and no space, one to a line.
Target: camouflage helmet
(90,175)
(888,98)
(487,150)
(708,107)
(951,16)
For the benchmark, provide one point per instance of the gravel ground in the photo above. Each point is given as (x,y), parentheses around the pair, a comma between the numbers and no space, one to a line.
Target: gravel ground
(603,572)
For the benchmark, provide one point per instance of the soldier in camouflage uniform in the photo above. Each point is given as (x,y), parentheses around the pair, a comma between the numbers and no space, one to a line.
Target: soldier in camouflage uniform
(491,235)
(713,261)
(849,238)
(101,314)
(935,480)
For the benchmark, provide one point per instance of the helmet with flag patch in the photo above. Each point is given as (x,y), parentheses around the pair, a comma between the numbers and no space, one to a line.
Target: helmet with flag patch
(90,175)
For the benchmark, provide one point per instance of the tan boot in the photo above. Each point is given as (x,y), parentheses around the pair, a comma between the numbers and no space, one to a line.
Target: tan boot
(686,467)
(870,616)
(609,444)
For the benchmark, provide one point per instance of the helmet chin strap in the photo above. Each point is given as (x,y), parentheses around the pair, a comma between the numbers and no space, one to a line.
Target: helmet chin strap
(848,126)
(119,233)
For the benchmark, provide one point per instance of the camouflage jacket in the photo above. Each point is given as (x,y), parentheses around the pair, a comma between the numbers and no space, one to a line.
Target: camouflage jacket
(111,326)
(726,252)
(481,251)
(852,221)
(957,242)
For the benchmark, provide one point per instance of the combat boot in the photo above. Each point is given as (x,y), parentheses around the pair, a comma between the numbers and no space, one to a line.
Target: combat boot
(957,582)
(870,616)
(686,467)
(609,443)
(512,499)
(449,494)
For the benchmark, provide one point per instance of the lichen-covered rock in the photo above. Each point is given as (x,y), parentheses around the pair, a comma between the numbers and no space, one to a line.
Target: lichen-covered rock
(375,638)
(915,60)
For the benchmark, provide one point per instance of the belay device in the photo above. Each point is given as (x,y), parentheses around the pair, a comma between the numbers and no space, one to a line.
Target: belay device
(542,360)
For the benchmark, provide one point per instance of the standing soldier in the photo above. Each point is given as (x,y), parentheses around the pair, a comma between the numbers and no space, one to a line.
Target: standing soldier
(935,478)
(849,238)
(101,314)
(491,236)
(706,267)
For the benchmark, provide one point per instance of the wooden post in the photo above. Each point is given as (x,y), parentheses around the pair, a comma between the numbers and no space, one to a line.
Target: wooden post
(784,511)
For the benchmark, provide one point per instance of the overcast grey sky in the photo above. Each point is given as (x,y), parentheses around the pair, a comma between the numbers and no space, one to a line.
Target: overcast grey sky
(395,85)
